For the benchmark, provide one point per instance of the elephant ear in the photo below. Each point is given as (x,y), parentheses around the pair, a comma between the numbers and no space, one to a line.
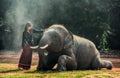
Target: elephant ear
(68,40)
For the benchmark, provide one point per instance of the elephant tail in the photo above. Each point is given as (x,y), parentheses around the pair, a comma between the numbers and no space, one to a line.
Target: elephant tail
(106,64)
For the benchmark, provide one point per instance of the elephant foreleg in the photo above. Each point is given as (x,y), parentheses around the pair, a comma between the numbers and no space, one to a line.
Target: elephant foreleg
(51,60)
(47,62)
(42,63)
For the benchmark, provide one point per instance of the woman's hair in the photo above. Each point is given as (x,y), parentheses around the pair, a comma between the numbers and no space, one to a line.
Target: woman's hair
(28,24)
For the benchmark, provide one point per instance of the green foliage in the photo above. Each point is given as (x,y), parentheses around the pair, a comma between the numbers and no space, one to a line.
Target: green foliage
(103,42)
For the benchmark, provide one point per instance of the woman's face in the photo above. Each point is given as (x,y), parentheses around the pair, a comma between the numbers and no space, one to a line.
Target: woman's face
(29,28)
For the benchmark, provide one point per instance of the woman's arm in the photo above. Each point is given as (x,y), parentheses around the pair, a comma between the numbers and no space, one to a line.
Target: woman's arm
(37,30)
(27,39)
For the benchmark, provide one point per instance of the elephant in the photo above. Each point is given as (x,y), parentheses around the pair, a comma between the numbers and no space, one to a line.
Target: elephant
(70,52)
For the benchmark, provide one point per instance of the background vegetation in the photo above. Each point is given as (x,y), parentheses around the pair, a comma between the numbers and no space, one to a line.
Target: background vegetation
(97,20)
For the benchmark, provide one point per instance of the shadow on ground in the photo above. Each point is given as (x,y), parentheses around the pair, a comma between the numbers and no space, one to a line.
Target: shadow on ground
(10,71)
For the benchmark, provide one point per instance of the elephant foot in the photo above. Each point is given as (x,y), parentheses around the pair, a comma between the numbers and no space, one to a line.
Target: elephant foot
(39,69)
(109,68)
(61,68)
(42,68)
(109,65)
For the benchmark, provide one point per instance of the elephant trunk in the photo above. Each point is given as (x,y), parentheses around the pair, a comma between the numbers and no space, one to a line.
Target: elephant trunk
(44,43)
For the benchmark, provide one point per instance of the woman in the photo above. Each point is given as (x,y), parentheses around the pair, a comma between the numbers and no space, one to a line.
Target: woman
(26,56)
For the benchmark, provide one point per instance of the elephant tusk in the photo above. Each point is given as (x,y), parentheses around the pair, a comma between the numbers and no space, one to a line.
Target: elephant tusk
(34,47)
(44,47)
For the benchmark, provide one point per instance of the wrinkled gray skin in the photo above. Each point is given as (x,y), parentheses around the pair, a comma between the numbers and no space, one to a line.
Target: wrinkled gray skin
(69,51)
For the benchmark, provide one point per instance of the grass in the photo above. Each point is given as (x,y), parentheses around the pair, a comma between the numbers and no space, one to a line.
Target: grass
(9,70)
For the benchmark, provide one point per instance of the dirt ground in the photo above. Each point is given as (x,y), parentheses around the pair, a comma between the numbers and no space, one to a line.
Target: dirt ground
(13,57)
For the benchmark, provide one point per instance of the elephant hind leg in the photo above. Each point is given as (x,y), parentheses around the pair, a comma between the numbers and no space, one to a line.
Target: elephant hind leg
(95,65)
(98,64)
(66,62)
